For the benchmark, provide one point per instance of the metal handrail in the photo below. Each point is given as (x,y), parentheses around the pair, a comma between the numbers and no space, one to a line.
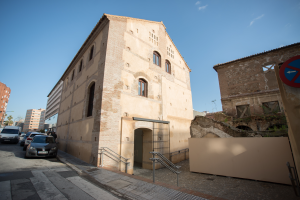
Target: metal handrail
(165,159)
(179,151)
(294,180)
(165,162)
(115,155)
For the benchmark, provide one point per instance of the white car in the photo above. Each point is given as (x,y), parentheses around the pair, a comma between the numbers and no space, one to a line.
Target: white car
(29,139)
(10,134)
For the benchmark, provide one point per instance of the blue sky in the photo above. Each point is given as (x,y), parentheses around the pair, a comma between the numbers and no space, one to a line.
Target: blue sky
(40,38)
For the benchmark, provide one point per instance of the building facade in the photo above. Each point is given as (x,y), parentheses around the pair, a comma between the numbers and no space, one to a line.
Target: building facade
(54,100)
(127,89)
(4,95)
(248,86)
(34,120)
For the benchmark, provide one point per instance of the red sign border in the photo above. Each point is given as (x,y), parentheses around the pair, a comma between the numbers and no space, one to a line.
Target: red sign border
(281,72)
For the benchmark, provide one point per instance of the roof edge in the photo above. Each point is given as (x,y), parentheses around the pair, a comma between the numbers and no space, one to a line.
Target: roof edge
(239,59)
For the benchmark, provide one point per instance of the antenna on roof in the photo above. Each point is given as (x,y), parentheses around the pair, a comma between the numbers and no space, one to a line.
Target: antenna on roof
(214,106)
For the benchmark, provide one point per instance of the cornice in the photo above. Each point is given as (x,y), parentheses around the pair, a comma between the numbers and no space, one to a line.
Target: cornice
(250,94)
(222,65)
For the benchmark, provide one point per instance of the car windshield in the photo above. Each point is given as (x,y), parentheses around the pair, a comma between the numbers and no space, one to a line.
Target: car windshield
(43,140)
(27,134)
(10,131)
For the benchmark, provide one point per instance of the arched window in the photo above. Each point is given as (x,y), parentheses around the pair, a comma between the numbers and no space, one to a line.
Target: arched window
(91,52)
(80,66)
(91,100)
(156,58)
(168,67)
(143,87)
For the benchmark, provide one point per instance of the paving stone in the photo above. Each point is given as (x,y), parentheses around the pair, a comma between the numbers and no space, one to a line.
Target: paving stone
(117,184)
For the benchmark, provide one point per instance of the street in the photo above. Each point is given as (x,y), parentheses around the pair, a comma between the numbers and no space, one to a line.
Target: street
(42,178)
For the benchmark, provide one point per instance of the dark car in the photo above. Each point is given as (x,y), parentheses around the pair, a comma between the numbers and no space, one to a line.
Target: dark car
(41,146)
(30,138)
(24,138)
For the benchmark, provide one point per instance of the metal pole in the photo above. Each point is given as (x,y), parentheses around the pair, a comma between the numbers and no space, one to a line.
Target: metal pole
(177,180)
(153,169)
(126,166)
(101,157)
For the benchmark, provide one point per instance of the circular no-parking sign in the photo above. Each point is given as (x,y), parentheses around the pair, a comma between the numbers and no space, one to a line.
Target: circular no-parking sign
(290,72)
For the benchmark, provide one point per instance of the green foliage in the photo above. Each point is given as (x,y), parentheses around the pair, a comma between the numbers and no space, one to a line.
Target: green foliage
(42,130)
(226,120)
(9,122)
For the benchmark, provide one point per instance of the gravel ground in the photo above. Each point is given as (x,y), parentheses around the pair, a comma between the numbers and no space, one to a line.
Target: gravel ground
(221,186)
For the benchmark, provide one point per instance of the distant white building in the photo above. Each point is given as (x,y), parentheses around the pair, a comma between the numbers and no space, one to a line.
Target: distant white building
(34,119)
(197,113)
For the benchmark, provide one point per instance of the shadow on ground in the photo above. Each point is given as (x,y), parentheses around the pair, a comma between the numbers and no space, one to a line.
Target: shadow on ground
(220,186)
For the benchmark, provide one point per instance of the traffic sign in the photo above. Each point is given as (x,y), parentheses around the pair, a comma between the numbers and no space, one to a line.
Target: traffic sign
(290,72)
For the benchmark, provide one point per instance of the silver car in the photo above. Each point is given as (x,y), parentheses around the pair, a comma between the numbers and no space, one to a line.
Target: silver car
(41,146)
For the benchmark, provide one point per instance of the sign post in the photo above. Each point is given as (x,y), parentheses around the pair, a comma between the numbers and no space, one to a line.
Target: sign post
(290,72)
(288,79)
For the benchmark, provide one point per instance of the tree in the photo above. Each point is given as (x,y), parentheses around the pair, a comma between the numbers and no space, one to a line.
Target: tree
(9,120)
(42,131)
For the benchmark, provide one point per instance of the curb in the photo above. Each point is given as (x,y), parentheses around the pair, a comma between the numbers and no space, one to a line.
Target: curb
(63,160)
(92,180)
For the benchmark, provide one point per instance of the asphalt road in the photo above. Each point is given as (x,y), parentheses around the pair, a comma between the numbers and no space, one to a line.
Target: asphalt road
(42,178)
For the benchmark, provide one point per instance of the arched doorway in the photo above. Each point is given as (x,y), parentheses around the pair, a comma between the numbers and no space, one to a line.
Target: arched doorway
(142,148)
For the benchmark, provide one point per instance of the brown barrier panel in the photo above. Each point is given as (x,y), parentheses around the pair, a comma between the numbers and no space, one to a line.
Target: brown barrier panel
(251,158)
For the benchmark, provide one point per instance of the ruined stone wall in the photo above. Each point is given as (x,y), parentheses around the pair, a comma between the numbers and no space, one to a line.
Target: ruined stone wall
(245,82)
(204,127)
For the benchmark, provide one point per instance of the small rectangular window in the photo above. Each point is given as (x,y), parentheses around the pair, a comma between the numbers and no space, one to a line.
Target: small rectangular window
(91,52)
(271,107)
(80,66)
(243,111)
(73,73)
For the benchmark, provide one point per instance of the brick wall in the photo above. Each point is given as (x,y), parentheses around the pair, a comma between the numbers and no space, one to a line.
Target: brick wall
(244,82)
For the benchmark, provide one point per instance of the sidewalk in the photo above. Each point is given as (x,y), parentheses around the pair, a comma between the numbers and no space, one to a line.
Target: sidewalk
(129,186)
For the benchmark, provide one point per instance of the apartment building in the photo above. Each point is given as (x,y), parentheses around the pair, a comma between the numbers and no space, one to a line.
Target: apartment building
(4,97)
(34,120)
(128,89)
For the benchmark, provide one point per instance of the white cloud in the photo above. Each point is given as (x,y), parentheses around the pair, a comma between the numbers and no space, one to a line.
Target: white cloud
(198,2)
(202,7)
(257,18)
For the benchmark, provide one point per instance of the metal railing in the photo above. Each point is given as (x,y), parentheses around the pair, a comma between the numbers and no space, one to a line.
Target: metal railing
(294,180)
(113,155)
(179,152)
(165,162)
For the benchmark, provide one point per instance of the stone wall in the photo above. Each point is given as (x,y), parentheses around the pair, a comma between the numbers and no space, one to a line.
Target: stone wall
(251,80)
(223,126)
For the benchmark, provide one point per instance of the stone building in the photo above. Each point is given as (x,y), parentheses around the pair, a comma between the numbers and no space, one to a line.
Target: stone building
(128,89)
(249,87)
(4,98)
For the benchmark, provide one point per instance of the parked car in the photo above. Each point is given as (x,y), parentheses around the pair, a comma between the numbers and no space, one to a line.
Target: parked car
(22,135)
(22,142)
(10,134)
(41,146)
(29,139)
